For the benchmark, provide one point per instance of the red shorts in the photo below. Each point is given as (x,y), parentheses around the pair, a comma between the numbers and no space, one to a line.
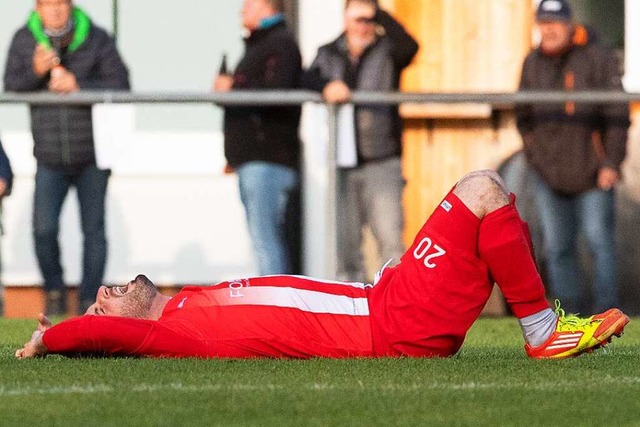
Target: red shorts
(425,305)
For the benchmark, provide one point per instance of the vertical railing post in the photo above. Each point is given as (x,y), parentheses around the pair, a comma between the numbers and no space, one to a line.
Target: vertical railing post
(115,19)
(331,241)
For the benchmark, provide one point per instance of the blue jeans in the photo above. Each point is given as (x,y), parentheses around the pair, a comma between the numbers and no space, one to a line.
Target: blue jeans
(592,215)
(266,190)
(52,186)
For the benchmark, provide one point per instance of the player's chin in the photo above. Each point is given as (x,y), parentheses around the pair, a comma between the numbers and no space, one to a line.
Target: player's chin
(141,279)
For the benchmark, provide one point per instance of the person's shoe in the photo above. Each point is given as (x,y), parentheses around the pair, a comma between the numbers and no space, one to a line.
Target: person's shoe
(56,303)
(576,335)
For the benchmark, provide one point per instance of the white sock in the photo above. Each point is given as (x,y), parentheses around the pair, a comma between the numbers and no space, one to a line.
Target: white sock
(538,327)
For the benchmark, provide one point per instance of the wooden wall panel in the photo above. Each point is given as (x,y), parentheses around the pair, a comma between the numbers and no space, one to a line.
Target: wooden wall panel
(438,152)
(465,46)
(510,42)
(387,4)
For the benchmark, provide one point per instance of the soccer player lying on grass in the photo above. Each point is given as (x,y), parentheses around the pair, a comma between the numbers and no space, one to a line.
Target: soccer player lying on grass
(423,307)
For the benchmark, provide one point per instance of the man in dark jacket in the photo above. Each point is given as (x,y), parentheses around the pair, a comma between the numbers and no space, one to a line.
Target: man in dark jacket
(369,55)
(6,182)
(60,50)
(6,174)
(261,143)
(575,151)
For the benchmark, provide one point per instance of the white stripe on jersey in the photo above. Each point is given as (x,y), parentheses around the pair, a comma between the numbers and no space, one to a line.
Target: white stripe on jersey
(358,285)
(302,299)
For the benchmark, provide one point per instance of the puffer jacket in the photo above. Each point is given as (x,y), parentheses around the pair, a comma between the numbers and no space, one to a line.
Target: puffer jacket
(63,135)
(567,144)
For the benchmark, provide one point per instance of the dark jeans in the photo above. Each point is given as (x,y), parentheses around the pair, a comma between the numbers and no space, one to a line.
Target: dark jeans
(563,218)
(52,186)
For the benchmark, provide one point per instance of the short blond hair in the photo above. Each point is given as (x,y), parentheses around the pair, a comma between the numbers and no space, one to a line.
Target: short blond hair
(277,5)
(371,2)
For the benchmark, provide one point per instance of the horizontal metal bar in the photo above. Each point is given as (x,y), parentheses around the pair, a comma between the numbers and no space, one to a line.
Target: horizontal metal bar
(296,97)
(232,98)
(497,100)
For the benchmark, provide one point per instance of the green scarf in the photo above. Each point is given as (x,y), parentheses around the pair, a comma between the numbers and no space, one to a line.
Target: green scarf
(81,28)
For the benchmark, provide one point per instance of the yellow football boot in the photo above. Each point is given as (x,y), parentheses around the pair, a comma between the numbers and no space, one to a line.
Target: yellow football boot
(576,335)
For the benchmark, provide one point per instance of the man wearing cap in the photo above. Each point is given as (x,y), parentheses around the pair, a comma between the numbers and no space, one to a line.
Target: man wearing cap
(575,151)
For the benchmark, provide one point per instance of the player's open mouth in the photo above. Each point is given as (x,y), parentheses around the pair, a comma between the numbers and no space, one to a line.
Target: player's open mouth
(120,290)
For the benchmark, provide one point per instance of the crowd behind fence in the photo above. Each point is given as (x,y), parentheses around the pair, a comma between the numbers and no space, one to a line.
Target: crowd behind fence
(497,101)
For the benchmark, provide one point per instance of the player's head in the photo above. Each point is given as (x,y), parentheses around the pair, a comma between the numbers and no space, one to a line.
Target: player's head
(134,299)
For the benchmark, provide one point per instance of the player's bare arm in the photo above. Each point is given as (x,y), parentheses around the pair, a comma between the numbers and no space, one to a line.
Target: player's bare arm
(35,347)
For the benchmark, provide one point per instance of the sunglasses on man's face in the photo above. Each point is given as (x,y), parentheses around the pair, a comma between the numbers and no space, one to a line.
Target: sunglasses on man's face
(365,20)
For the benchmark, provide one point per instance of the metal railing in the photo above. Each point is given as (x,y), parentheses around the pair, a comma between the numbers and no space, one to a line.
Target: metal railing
(497,101)
(296,97)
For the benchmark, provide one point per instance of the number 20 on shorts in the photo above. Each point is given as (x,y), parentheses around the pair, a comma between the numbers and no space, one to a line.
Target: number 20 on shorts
(427,251)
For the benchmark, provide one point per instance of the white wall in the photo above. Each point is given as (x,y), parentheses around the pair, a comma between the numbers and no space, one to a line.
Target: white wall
(171,214)
(632,46)
(320,23)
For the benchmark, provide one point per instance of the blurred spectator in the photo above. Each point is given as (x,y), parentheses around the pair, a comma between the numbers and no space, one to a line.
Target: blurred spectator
(262,143)
(6,174)
(369,55)
(575,151)
(61,50)
(6,182)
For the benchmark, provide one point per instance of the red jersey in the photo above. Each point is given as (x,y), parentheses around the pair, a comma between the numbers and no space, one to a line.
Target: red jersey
(423,307)
(273,316)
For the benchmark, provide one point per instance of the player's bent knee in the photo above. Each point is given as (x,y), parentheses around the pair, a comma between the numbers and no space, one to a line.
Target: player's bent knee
(482,191)
(482,182)
(484,177)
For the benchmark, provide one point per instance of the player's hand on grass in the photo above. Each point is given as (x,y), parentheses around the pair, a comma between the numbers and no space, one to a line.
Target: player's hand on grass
(43,322)
(35,347)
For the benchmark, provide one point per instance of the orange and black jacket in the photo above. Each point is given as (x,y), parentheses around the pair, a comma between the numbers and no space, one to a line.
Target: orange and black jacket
(567,144)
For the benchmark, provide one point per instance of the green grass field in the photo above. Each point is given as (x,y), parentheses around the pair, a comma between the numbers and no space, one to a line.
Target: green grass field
(490,382)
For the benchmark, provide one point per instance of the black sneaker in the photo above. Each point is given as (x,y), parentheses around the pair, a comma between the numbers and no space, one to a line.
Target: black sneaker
(56,303)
